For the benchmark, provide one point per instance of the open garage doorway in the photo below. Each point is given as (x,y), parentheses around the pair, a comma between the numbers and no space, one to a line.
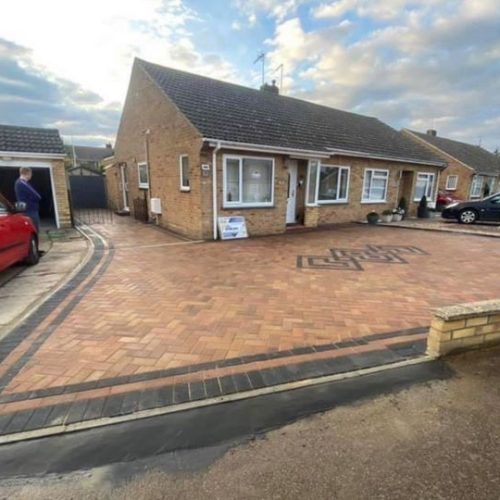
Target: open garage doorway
(42,182)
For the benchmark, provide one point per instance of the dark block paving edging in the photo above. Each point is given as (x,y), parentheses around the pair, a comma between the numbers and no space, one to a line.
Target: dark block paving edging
(12,340)
(174,394)
(216,427)
(184,370)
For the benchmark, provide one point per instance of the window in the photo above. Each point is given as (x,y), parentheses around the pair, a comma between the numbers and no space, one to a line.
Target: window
(476,186)
(327,183)
(375,186)
(312,182)
(424,187)
(495,200)
(184,172)
(248,181)
(333,183)
(452,182)
(143,174)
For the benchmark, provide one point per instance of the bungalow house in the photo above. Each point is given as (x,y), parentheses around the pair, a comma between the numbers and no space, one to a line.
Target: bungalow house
(42,150)
(191,149)
(472,172)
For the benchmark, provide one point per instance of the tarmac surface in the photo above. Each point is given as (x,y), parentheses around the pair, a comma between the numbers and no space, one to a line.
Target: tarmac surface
(435,438)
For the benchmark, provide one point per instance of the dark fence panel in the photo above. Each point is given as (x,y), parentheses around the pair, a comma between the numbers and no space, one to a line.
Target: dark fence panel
(88,191)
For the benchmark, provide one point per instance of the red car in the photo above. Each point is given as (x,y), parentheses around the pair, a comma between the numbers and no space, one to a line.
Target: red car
(18,237)
(445,199)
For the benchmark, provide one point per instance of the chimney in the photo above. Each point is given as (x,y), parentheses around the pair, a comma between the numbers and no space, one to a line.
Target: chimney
(273,88)
(432,132)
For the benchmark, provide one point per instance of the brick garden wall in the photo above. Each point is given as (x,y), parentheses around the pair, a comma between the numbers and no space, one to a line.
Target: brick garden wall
(464,326)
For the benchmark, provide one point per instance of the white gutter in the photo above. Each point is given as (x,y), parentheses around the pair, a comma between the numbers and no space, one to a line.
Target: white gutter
(385,158)
(18,154)
(244,146)
(214,187)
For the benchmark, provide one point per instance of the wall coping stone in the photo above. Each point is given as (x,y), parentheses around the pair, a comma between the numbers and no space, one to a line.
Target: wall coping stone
(461,311)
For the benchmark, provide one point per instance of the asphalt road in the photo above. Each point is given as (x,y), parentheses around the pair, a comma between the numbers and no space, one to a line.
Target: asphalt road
(438,438)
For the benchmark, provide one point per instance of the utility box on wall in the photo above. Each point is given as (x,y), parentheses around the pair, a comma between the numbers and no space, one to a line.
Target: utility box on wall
(156,206)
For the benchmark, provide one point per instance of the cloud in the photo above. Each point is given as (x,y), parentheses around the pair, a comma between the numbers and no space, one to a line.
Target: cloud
(279,9)
(33,97)
(430,64)
(82,57)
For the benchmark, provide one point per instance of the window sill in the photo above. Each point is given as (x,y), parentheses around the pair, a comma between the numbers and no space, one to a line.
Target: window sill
(242,207)
(185,189)
(333,202)
(143,186)
(373,202)
(450,189)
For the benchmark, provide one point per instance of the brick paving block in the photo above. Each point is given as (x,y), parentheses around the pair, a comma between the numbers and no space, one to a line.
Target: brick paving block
(76,412)
(113,405)
(18,422)
(212,388)
(94,409)
(227,385)
(58,414)
(197,390)
(181,393)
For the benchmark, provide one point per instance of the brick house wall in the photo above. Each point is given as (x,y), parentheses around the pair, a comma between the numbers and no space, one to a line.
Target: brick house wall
(191,213)
(455,167)
(170,135)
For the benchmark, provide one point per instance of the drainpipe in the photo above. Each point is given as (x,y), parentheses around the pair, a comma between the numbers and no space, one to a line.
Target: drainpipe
(214,188)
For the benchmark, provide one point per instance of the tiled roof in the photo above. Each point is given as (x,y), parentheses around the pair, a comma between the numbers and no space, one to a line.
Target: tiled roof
(476,157)
(30,140)
(225,111)
(89,153)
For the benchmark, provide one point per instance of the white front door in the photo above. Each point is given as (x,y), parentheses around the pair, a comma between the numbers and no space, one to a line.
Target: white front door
(124,183)
(292,192)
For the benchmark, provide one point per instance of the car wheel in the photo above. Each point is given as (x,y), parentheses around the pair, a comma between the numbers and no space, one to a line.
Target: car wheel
(467,216)
(33,255)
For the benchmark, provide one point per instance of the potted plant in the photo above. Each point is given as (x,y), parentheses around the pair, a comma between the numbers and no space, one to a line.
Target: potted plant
(397,215)
(403,206)
(372,217)
(423,211)
(387,216)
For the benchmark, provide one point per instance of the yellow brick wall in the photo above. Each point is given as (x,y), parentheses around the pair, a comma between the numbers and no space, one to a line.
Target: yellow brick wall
(170,135)
(466,329)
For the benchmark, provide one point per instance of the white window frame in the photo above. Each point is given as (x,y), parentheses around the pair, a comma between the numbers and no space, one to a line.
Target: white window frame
(182,186)
(386,177)
(240,204)
(429,196)
(448,179)
(476,178)
(142,185)
(340,168)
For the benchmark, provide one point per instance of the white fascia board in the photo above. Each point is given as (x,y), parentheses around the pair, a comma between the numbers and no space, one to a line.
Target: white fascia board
(244,146)
(39,156)
(345,152)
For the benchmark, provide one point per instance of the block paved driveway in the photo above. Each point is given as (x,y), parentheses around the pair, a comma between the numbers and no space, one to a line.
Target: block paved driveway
(153,308)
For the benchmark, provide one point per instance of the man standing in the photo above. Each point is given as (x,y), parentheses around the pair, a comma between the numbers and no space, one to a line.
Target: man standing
(26,193)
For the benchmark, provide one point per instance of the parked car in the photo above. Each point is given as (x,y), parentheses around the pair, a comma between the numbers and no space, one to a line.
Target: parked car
(18,236)
(468,212)
(445,199)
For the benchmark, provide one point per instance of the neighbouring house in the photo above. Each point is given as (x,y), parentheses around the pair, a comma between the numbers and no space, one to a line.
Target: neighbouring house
(472,171)
(191,149)
(87,160)
(42,150)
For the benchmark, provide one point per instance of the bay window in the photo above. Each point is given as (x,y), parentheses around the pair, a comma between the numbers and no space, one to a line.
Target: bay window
(476,186)
(425,186)
(375,184)
(327,183)
(248,181)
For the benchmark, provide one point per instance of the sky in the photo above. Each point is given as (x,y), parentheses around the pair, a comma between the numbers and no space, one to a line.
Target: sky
(417,64)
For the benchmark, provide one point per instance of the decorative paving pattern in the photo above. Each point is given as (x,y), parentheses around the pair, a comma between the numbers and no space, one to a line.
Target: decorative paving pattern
(154,320)
(350,259)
